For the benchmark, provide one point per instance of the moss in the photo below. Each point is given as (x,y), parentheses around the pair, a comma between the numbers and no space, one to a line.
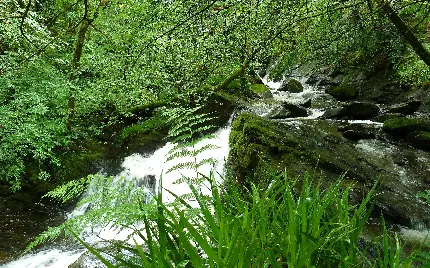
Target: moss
(344,91)
(294,86)
(143,128)
(403,126)
(259,88)
(80,161)
(259,146)
(420,140)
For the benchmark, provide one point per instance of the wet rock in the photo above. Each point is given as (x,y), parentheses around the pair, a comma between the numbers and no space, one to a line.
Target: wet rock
(262,91)
(360,110)
(306,103)
(357,132)
(292,86)
(89,260)
(420,140)
(266,95)
(353,111)
(385,116)
(328,81)
(333,113)
(287,110)
(295,110)
(278,112)
(313,79)
(261,147)
(344,91)
(401,127)
(407,108)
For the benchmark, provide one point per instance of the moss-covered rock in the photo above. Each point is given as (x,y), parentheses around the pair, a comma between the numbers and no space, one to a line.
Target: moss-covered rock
(420,140)
(262,91)
(260,148)
(386,116)
(293,86)
(403,126)
(343,92)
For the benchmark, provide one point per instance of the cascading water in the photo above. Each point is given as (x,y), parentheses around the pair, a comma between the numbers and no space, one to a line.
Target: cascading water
(143,169)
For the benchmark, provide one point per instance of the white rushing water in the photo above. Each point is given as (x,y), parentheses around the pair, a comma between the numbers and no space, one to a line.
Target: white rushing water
(138,167)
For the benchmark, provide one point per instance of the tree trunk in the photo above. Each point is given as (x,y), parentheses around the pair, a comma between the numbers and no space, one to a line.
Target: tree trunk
(232,77)
(404,30)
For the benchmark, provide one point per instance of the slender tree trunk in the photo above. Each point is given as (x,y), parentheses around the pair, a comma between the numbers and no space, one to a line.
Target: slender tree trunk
(404,30)
(233,76)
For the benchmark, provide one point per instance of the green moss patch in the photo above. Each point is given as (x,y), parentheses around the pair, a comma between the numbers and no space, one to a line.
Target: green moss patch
(143,128)
(345,91)
(420,140)
(259,88)
(404,126)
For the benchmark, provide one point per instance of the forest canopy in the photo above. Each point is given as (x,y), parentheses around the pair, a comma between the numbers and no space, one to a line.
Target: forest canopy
(64,62)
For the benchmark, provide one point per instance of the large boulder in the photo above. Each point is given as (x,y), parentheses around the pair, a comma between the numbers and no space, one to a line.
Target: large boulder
(353,111)
(287,110)
(261,148)
(361,110)
(343,92)
(401,127)
(292,86)
(406,108)
(419,139)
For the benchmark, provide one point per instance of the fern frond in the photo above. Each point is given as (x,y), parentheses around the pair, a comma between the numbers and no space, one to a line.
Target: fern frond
(191,143)
(205,148)
(183,165)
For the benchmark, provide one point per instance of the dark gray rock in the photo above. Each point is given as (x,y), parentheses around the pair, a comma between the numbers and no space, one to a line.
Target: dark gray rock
(295,110)
(361,110)
(278,112)
(333,113)
(287,110)
(407,108)
(266,95)
(306,103)
(357,131)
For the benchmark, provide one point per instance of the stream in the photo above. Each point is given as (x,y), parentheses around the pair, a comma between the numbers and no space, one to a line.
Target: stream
(144,169)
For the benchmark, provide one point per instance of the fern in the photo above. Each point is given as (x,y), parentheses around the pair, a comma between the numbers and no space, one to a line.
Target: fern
(113,202)
(116,202)
(188,128)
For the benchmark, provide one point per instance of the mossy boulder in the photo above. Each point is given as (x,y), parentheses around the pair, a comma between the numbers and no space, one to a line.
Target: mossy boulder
(401,127)
(386,116)
(261,148)
(343,92)
(259,145)
(262,91)
(419,139)
(293,86)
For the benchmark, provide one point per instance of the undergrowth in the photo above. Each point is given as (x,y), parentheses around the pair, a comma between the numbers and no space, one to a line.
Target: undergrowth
(291,223)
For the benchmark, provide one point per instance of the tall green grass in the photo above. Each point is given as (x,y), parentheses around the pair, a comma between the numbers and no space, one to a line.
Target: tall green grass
(279,226)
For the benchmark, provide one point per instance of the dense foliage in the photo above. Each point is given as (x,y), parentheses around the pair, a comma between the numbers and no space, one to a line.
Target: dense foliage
(64,61)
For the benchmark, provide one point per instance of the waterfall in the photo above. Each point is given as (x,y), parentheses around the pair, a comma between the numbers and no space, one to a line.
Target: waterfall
(145,171)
